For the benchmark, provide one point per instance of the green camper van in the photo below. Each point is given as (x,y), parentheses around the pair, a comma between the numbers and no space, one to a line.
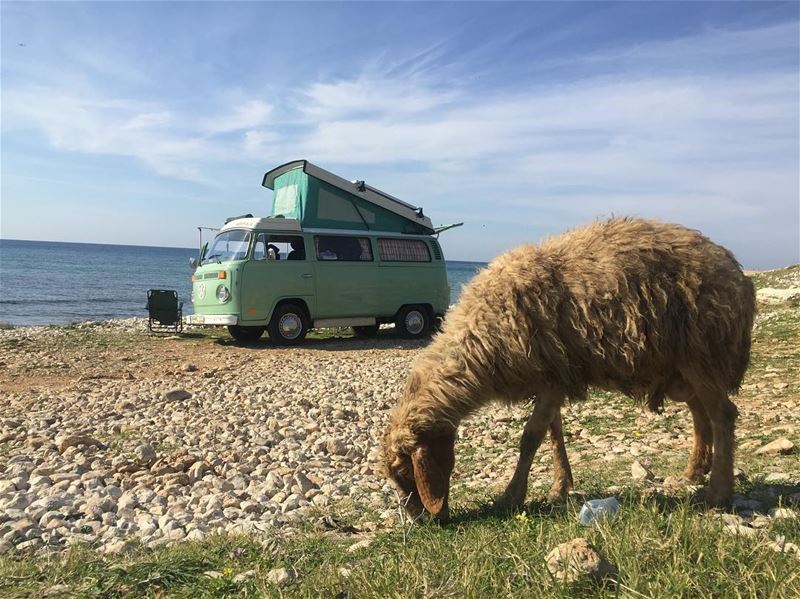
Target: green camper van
(332,253)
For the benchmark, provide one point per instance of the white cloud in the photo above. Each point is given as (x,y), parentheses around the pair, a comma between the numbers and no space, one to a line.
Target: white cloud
(149,120)
(259,143)
(170,143)
(251,114)
(115,128)
(371,96)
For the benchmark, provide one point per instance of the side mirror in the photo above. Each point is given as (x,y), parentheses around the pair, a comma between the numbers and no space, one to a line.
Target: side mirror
(193,263)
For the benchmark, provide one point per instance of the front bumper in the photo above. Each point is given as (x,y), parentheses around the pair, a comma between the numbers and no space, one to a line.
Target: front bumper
(212,319)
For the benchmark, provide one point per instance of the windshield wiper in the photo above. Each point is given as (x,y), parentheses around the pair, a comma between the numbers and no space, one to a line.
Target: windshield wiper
(211,257)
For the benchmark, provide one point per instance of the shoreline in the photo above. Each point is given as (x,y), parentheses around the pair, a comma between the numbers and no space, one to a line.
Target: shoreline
(787,278)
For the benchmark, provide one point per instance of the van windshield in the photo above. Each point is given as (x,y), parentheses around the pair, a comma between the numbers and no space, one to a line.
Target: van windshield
(230,245)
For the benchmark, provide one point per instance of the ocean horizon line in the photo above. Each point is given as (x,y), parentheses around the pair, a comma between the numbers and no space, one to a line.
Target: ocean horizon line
(161,247)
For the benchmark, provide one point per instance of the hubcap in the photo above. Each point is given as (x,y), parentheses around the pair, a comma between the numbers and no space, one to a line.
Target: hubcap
(415,322)
(290,326)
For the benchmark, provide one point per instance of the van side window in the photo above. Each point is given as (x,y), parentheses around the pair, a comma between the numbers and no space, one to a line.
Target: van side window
(296,249)
(343,249)
(403,250)
(284,247)
(260,248)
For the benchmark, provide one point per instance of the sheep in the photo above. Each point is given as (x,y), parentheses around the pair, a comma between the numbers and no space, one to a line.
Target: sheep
(641,307)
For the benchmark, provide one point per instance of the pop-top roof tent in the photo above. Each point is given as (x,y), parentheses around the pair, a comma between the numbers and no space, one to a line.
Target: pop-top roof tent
(318,198)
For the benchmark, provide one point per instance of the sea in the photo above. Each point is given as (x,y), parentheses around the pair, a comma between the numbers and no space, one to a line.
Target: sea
(48,282)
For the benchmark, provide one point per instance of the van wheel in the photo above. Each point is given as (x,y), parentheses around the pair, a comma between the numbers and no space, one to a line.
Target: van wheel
(413,322)
(370,330)
(246,334)
(289,325)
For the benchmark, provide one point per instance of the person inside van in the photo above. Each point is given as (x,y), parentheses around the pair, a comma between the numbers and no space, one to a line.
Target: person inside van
(298,250)
(273,252)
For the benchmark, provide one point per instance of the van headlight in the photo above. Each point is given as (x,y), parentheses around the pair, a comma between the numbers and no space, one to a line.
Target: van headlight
(223,294)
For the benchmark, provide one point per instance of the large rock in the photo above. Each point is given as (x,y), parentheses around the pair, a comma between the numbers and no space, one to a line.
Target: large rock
(336,447)
(578,559)
(177,395)
(65,442)
(640,472)
(197,470)
(180,461)
(777,447)
(784,513)
(146,454)
(304,483)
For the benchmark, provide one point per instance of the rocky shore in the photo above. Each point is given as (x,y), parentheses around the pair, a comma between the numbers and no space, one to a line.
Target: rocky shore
(111,437)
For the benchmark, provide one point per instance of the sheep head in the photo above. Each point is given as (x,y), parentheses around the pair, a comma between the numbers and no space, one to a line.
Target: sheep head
(420,466)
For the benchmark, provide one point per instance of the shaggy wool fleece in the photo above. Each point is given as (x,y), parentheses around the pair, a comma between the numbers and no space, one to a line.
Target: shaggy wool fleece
(629,305)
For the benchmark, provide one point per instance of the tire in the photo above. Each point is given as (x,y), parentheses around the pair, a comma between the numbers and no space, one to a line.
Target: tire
(367,331)
(289,325)
(413,322)
(246,334)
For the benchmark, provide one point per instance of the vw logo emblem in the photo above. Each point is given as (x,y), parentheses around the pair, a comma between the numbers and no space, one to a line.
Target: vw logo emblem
(201,291)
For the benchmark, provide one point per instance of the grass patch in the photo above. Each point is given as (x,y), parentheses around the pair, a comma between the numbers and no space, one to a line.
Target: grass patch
(780,278)
(662,547)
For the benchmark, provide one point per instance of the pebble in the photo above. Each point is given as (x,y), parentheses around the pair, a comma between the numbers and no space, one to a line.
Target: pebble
(786,547)
(777,478)
(119,547)
(242,576)
(740,530)
(783,513)
(359,545)
(281,576)
(578,559)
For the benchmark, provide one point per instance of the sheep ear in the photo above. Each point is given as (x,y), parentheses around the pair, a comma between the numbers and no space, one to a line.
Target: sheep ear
(433,462)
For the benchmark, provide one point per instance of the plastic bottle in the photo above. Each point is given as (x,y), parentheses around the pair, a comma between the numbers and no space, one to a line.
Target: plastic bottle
(597,509)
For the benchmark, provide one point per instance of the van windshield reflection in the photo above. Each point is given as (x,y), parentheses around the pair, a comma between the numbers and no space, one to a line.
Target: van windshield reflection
(230,245)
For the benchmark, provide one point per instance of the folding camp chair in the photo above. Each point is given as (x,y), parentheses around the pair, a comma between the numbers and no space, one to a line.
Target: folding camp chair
(165,311)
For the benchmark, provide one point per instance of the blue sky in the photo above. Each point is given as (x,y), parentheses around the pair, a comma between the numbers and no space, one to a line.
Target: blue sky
(136,122)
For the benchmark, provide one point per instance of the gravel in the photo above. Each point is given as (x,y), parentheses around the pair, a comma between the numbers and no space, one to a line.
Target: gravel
(183,439)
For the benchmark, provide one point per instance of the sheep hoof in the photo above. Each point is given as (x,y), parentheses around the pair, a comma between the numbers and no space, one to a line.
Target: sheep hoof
(695,475)
(509,503)
(693,479)
(557,496)
(715,499)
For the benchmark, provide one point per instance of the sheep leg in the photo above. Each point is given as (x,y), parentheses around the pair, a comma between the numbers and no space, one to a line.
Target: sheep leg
(545,410)
(562,473)
(701,457)
(722,413)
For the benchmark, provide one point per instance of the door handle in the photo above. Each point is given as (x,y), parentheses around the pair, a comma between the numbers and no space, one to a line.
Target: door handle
(307,275)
